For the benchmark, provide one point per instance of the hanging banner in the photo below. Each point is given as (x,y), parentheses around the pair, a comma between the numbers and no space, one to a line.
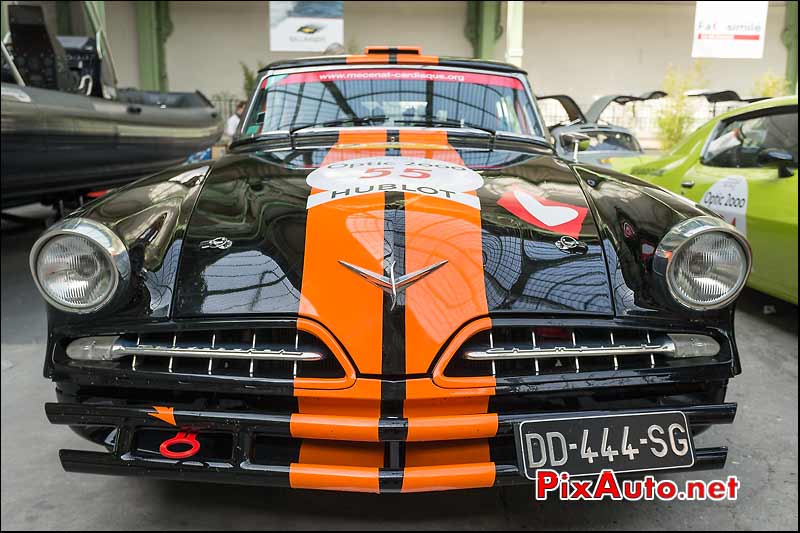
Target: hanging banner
(730,29)
(306,26)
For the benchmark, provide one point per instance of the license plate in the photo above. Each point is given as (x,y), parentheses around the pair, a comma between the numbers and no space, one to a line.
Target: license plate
(584,446)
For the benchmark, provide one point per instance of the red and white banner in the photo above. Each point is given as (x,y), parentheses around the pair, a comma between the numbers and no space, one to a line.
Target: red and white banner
(730,29)
(401,74)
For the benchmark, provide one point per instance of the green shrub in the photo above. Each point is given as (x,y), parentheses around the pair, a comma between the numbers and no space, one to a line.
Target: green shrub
(675,118)
(250,78)
(771,85)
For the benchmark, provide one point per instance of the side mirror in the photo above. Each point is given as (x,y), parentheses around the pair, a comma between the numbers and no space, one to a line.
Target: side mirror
(775,157)
(579,142)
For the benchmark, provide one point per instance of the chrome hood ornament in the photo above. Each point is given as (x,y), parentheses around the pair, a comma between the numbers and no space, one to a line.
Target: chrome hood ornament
(390,284)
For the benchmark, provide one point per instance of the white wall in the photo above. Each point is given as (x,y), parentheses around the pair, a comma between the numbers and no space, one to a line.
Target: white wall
(121,32)
(211,38)
(586,49)
(590,49)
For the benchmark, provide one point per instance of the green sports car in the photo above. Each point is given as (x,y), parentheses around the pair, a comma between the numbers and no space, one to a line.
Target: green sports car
(743,165)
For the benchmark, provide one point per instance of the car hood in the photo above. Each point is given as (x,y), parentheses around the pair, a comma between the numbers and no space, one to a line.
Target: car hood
(265,239)
(505,231)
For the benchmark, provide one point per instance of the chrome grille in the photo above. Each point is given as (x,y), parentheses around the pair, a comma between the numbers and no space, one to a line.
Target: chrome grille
(273,353)
(524,351)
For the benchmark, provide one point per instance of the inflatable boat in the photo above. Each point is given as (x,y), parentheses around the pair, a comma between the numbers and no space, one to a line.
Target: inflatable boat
(66,128)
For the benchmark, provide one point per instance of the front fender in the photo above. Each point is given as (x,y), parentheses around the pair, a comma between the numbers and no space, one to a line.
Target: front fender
(150,216)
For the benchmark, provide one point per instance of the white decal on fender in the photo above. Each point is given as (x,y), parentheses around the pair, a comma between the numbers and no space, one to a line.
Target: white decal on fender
(728,197)
(415,175)
(551,215)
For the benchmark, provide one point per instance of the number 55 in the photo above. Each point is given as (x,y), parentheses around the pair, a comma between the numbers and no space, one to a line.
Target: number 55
(376,173)
(416,173)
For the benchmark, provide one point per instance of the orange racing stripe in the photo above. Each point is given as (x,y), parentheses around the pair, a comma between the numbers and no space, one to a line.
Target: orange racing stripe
(398,54)
(438,229)
(357,231)
(328,289)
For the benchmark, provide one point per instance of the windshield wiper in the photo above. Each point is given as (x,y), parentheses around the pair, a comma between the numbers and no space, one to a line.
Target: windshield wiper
(453,124)
(338,122)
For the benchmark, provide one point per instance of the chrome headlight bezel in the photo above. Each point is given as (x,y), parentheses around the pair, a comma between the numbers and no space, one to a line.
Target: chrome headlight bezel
(108,242)
(682,234)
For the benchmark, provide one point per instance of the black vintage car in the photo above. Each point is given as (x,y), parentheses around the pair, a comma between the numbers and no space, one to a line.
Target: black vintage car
(392,283)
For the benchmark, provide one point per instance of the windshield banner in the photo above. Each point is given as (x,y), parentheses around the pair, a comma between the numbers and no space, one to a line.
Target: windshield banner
(401,75)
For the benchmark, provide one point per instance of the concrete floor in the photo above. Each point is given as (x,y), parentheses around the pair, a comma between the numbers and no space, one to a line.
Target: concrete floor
(38,494)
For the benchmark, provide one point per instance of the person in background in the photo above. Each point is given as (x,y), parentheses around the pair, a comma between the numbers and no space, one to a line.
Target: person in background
(232,124)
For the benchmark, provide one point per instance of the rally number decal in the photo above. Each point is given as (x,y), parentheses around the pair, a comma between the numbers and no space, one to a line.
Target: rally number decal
(415,175)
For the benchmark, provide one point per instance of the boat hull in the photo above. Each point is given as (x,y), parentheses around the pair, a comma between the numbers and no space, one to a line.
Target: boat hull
(54,143)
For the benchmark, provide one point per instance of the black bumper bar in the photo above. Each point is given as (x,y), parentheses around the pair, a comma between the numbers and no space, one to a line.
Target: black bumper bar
(278,425)
(246,474)
(247,427)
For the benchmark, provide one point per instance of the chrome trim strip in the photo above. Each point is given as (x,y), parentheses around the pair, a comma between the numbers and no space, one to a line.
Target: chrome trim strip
(491,354)
(120,350)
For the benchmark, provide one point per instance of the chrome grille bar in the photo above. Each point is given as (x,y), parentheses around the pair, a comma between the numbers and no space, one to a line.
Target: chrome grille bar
(278,353)
(144,350)
(496,354)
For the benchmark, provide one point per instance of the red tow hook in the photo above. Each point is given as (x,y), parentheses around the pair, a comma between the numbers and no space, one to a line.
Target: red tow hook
(181,439)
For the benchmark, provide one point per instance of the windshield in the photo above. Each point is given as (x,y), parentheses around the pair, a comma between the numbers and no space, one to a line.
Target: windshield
(604,141)
(396,97)
(739,143)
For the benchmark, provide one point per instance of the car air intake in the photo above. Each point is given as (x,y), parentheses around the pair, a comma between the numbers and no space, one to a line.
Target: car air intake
(272,353)
(520,351)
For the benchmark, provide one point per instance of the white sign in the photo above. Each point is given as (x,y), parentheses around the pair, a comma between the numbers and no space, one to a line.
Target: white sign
(728,197)
(730,29)
(306,26)
(415,175)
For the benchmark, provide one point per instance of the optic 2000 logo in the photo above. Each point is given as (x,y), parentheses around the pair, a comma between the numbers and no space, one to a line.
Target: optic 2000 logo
(370,175)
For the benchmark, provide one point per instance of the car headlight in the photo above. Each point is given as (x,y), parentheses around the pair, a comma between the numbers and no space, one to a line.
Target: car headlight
(79,264)
(705,262)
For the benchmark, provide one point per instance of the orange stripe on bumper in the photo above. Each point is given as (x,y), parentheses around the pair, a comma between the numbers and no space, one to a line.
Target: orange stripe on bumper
(343,478)
(364,390)
(347,428)
(334,454)
(450,477)
(443,428)
(365,428)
